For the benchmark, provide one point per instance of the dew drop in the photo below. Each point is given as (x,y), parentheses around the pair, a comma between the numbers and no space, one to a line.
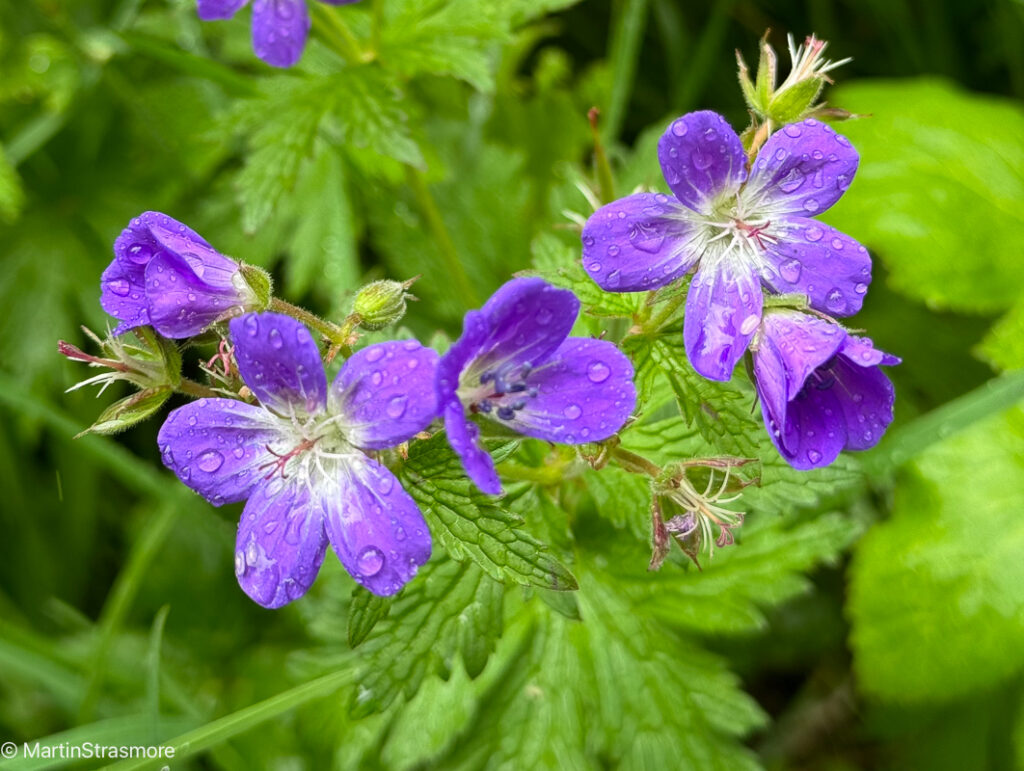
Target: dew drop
(252,553)
(252,325)
(370,561)
(679,127)
(791,271)
(598,372)
(813,233)
(793,130)
(239,563)
(837,244)
(375,354)
(396,407)
(544,316)
(861,288)
(792,181)
(139,253)
(834,300)
(572,412)
(749,324)
(119,286)
(811,204)
(276,341)
(210,461)
(613,250)
(701,160)
(813,456)
(238,452)
(594,267)
(377,378)
(385,484)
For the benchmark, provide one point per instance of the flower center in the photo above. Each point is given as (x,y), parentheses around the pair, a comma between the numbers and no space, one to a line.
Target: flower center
(502,391)
(310,446)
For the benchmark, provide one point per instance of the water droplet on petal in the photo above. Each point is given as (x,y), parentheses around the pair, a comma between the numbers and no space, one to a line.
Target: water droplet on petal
(613,250)
(679,127)
(139,253)
(119,286)
(396,407)
(370,561)
(598,371)
(240,565)
(749,324)
(544,316)
(861,288)
(594,267)
(210,461)
(252,325)
(793,130)
(811,204)
(837,243)
(701,160)
(252,553)
(791,271)
(813,233)
(792,181)
(572,412)
(276,341)
(813,456)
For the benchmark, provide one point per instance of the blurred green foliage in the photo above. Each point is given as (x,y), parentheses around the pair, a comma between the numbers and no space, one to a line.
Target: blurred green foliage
(458,149)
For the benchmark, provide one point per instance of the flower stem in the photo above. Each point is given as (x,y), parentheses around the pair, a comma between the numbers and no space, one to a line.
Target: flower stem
(635,464)
(192,388)
(671,306)
(332,332)
(445,245)
(335,33)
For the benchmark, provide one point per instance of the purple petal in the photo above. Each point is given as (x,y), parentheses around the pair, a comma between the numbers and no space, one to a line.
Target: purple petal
(866,396)
(862,351)
(723,311)
(702,159)
(812,431)
(637,243)
(811,258)
(800,343)
(279,30)
(523,322)
(212,10)
(183,304)
(281,544)
(464,438)
(218,446)
(802,169)
(386,392)
(278,359)
(375,528)
(585,393)
(123,284)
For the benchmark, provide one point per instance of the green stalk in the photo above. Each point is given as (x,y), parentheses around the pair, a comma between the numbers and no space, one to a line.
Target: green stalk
(222,729)
(445,245)
(627,34)
(332,29)
(332,332)
(198,390)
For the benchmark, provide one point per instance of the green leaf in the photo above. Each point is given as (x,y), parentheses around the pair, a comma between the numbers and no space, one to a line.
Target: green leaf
(1003,346)
(365,610)
(940,190)
(617,690)
(474,526)
(12,196)
(451,609)
(945,572)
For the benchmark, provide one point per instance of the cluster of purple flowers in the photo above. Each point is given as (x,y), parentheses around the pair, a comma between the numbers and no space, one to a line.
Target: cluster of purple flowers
(301,452)
(742,230)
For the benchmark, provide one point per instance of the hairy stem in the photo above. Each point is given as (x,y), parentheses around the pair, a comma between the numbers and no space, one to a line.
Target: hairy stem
(635,464)
(198,390)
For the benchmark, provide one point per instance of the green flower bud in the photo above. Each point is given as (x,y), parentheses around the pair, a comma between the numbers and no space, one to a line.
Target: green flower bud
(258,282)
(381,303)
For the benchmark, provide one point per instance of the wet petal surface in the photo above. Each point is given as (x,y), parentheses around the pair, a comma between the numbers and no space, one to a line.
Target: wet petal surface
(702,159)
(723,311)
(279,30)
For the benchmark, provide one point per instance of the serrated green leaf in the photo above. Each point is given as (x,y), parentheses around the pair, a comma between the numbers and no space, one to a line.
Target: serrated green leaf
(365,610)
(946,572)
(941,179)
(370,114)
(451,609)
(474,526)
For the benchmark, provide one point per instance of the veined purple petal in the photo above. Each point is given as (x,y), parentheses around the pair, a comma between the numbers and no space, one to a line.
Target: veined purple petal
(523,322)
(637,243)
(386,393)
(375,527)
(218,446)
(123,284)
(212,10)
(813,431)
(279,30)
(186,298)
(585,393)
(802,343)
(702,159)
(866,396)
(281,543)
(723,311)
(802,169)
(279,360)
(464,438)
(863,352)
(811,258)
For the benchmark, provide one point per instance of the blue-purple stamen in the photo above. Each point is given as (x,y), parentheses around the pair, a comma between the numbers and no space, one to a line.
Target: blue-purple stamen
(510,379)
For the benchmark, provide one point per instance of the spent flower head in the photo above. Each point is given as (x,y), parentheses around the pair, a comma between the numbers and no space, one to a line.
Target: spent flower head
(300,458)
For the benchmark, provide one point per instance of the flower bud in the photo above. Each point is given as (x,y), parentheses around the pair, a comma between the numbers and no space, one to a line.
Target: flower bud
(381,303)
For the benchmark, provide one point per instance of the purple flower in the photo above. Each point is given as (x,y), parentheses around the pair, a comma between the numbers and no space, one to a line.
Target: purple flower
(740,232)
(820,388)
(164,274)
(279,27)
(298,458)
(515,363)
